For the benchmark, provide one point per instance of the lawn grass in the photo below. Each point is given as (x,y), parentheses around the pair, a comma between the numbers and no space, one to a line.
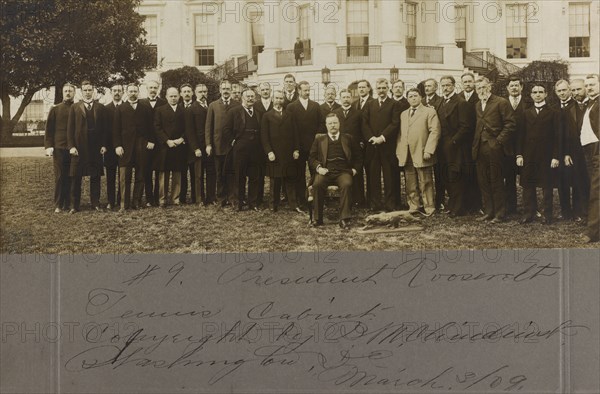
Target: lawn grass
(28,225)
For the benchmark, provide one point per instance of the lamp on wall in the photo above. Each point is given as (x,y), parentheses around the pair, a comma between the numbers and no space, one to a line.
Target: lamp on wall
(393,74)
(326,76)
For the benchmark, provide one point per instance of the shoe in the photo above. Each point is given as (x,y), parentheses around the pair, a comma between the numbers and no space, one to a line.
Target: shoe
(344,224)
(316,223)
(497,220)
(526,220)
(148,205)
(274,209)
(538,214)
(587,239)
(109,206)
(300,211)
(481,212)
(57,210)
(452,215)
(484,218)
(255,209)
(547,221)
(97,209)
(577,219)
(73,210)
(122,210)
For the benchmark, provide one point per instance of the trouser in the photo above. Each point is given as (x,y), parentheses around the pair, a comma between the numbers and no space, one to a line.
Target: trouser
(125,175)
(112,185)
(163,187)
(592,158)
(573,178)
(247,162)
(344,182)
(62,180)
(76,191)
(150,187)
(225,179)
(204,171)
(440,188)
(184,183)
(455,183)
(419,187)
(300,181)
(509,172)
(276,184)
(380,161)
(491,179)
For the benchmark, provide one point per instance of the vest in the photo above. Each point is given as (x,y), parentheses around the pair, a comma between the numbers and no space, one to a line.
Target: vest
(336,159)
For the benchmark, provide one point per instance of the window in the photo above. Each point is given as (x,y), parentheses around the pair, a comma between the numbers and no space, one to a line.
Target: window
(257,27)
(579,30)
(516,31)
(357,27)
(151,27)
(411,29)
(304,29)
(460,26)
(205,39)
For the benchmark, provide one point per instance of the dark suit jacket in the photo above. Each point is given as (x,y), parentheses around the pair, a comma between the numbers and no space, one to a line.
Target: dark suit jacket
(89,160)
(195,136)
(496,124)
(403,103)
(159,103)
(456,137)
(539,144)
(298,49)
(259,107)
(434,102)
(594,115)
(308,122)
(236,122)
(133,127)
(472,100)
(169,125)
(318,151)
(326,109)
(56,126)
(278,135)
(110,157)
(286,102)
(351,124)
(215,134)
(519,122)
(357,103)
(384,120)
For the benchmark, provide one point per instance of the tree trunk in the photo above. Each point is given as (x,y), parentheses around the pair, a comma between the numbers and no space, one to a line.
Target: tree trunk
(58,94)
(7,125)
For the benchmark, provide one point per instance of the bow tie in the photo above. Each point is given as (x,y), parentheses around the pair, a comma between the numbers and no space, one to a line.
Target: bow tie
(152,100)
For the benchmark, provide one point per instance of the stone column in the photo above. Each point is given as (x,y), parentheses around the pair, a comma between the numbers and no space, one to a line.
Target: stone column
(324,37)
(267,60)
(393,51)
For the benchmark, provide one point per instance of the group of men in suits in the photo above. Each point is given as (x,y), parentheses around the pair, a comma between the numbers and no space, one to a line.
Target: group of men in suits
(467,146)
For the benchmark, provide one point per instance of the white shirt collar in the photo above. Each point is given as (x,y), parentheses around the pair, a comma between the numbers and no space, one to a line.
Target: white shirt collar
(303,101)
(346,108)
(468,94)
(337,136)
(117,103)
(266,102)
(539,105)
(174,107)
(450,96)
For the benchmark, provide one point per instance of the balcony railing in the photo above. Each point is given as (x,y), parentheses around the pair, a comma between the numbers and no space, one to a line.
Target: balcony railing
(286,58)
(419,54)
(359,54)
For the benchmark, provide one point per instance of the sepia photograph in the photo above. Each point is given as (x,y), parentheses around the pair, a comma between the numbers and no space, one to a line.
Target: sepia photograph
(194,192)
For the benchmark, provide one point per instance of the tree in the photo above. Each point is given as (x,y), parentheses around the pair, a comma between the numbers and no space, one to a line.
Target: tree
(46,43)
(191,75)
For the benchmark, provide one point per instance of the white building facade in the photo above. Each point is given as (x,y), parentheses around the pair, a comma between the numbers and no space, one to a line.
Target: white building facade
(358,39)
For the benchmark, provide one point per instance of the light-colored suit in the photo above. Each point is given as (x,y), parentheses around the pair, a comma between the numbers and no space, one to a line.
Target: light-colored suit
(419,133)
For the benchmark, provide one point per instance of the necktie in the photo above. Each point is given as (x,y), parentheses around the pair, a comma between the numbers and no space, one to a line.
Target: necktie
(514,103)
(345,113)
(334,138)
(538,109)
(380,103)
(88,106)
(250,112)
(412,112)
(362,103)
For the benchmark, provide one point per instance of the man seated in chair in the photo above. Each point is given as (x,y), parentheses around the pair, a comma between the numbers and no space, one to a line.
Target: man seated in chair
(336,158)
